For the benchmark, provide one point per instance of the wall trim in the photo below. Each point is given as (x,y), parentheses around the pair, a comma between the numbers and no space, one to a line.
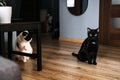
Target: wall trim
(71,40)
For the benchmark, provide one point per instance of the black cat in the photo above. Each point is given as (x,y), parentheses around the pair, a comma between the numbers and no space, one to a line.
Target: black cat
(89,48)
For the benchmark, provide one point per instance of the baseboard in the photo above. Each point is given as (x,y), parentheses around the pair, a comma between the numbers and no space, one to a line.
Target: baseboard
(71,40)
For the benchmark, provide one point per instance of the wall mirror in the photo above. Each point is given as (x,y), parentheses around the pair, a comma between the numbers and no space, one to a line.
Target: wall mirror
(77,7)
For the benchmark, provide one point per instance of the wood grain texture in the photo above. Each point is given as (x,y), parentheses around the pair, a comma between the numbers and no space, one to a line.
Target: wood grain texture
(71,40)
(59,64)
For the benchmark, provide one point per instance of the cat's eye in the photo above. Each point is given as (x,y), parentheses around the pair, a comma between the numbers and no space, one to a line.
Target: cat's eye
(90,35)
(95,35)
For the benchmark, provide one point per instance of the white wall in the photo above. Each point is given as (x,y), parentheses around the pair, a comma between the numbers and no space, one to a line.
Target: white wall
(76,26)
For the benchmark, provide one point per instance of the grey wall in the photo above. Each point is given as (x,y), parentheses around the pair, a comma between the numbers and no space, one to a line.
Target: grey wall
(76,26)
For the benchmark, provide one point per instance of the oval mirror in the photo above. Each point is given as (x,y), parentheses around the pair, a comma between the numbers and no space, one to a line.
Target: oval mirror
(77,7)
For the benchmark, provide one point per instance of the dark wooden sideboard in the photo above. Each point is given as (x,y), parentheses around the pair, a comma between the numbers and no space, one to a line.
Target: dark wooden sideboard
(20,26)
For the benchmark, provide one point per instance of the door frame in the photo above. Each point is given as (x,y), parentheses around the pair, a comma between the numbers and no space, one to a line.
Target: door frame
(106,31)
(104,20)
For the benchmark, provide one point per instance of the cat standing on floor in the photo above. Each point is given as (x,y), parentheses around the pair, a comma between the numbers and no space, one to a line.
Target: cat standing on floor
(89,48)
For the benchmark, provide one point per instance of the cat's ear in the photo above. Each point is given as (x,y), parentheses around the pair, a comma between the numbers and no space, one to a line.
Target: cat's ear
(97,29)
(88,29)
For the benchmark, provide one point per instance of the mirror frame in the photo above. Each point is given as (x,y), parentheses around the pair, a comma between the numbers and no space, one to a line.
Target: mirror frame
(77,9)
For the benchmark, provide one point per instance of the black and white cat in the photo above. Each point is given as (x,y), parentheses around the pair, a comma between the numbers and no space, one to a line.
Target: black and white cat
(89,49)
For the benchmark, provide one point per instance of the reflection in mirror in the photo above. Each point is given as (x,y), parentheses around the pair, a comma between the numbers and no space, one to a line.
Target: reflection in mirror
(77,7)
(115,14)
(70,3)
(115,22)
(115,2)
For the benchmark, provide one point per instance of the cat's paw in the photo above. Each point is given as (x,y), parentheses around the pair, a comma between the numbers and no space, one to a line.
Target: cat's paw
(24,60)
(95,63)
(27,58)
(89,62)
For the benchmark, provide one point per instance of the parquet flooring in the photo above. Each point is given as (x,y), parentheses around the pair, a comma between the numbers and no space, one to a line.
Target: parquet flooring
(59,64)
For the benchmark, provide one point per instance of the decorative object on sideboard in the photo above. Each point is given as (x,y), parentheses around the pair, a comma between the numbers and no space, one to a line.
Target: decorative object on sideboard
(5,12)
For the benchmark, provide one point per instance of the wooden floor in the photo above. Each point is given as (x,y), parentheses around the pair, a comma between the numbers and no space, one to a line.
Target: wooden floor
(59,64)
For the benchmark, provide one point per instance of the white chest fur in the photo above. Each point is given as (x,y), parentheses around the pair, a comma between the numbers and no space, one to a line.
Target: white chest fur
(24,47)
(93,42)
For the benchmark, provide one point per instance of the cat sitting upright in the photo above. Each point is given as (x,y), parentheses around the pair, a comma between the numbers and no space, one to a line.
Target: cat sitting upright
(89,48)
(23,45)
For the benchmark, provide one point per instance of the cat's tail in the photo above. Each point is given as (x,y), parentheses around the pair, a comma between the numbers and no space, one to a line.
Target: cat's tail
(74,54)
